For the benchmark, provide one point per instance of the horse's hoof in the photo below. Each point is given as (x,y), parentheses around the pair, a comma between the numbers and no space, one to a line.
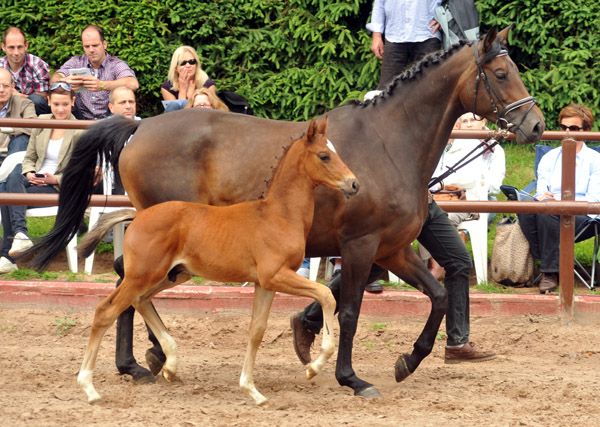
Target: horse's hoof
(154,362)
(401,368)
(310,372)
(368,393)
(169,376)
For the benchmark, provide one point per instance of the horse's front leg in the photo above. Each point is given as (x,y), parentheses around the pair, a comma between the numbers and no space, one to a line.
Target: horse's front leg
(357,259)
(409,267)
(260,313)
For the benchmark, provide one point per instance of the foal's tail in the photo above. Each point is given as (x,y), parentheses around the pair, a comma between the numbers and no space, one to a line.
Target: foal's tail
(106,222)
(103,140)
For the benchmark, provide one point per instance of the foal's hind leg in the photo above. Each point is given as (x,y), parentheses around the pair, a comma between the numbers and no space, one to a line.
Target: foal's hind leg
(260,313)
(105,315)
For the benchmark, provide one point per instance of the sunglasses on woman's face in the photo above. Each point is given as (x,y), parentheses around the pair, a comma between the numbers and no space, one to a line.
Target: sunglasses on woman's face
(572,128)
(188,61)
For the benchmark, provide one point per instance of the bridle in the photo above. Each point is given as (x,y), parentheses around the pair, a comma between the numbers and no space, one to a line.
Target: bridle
(503,125)
(501,121)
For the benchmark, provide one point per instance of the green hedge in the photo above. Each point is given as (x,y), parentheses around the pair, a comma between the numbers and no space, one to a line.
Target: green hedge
(295,59)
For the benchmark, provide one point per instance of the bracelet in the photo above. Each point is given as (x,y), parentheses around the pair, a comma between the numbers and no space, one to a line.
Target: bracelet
(101,85)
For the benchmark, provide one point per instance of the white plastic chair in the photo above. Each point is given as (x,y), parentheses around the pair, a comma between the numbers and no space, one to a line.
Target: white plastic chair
(478,234)
(6,168)
(96,211)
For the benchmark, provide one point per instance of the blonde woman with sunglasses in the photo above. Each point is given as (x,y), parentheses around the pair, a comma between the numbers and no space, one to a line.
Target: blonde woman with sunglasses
(185,76)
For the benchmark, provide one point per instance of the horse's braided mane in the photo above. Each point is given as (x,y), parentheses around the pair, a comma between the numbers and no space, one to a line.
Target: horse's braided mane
(417,68)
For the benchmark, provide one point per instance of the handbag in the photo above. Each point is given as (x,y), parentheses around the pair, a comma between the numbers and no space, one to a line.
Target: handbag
(512,262)
(450,192)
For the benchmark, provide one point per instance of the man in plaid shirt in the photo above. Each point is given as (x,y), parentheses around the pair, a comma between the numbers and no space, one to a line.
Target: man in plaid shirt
(30,74)
(107,72)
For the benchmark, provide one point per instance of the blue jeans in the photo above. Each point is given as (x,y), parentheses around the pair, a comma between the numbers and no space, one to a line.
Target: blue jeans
(439,237)
(17,143)
(175,105)
(14,217)
(41,105)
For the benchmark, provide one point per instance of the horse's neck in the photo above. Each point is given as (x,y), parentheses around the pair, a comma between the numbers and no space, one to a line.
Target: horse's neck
(422,133)
(291,192)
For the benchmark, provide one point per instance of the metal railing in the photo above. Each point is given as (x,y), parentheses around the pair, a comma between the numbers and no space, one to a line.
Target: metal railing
(567,208)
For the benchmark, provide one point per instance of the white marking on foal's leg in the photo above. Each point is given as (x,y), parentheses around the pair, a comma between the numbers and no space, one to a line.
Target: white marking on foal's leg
(169,347)
(84,379)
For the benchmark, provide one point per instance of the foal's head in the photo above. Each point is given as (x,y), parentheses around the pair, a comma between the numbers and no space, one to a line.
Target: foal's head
(323,164)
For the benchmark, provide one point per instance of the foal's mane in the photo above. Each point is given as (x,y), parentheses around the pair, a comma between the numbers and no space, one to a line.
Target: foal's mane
(275,168)
(417,69)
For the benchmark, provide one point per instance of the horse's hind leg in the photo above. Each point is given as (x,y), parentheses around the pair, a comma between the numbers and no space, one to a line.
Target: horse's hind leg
(105,315)
(260,313)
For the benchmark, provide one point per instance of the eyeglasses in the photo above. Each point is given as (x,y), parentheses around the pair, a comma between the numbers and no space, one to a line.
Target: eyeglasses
(572,128)
(64,85)
(188,61)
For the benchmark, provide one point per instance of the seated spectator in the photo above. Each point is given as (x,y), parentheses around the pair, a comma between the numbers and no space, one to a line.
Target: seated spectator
(106,72)
(185,76)
(205,98)
(41,172)
(30,74)
(121,102)
(543,231)
(16,107)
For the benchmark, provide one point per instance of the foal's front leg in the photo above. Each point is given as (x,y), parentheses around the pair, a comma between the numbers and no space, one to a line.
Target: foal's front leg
(260,313)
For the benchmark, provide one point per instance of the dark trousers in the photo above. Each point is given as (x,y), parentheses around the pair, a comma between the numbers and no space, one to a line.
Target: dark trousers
(543,234)
(441,239)
(398,56)
(13,217)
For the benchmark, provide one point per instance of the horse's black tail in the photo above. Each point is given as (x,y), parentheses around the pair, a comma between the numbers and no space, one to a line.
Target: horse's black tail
(103,140)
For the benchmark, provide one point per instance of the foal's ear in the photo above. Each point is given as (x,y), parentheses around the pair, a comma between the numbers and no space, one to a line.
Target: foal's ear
(323,126)
(503,35)
(312,130)
(489,39)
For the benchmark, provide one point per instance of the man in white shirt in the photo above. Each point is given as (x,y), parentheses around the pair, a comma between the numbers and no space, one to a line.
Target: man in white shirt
(410,32)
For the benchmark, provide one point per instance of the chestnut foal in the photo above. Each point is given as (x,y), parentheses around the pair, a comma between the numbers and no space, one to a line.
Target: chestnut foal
(260,241)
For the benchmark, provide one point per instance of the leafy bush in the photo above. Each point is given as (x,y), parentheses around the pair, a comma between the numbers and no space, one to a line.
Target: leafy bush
(294,59)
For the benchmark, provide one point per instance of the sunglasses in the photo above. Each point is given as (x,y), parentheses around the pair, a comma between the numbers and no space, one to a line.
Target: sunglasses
(572,128)
(188,61)
(64,85)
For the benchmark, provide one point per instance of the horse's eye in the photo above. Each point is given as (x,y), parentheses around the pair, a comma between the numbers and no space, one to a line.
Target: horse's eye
(324,157)
(501,75)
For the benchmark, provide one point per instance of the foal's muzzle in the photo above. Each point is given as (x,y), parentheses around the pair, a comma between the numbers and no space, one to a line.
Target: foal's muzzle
(350,187)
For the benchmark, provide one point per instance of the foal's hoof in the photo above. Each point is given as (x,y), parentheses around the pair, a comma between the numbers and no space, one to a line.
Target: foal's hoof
(368,393)
(401,368)
(155,363)
(142,378)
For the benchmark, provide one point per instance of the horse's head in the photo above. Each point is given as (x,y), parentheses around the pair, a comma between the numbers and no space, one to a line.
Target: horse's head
(323,164)
(497,91)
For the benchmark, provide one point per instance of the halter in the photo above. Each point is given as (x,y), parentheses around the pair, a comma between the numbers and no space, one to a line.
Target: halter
(501,121)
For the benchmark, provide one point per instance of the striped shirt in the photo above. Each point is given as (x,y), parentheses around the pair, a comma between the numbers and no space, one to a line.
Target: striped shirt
(94,105)
(33,76)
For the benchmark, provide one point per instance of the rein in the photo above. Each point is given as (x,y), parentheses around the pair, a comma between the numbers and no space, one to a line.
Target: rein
(485,144)
(501,121)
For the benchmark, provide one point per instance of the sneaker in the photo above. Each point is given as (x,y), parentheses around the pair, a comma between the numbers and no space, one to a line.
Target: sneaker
(303,271)
(467,353)
(20,244)
(6,266)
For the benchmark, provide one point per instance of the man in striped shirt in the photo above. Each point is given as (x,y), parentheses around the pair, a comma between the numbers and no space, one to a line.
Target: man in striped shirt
(30,74)
(104,73)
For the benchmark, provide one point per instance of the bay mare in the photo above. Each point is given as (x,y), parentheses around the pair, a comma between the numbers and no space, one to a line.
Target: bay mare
(260,241)
(392,144)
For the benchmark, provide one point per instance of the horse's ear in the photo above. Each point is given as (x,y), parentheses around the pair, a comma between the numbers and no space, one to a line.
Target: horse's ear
(489,39)
(323,126)
(503,35)
(312,129)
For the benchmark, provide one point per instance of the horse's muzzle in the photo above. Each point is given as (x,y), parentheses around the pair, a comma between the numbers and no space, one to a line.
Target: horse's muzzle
(350,187)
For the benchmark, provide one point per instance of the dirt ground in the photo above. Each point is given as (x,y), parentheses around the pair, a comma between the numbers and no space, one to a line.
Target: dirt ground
(546,374)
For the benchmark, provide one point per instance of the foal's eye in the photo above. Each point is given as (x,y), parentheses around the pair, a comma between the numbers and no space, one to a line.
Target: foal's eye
(501,75)
(324,157)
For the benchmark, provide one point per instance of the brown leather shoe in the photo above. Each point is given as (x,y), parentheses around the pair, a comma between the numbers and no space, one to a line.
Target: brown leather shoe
(548,283)
(303,339)
(467,353)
